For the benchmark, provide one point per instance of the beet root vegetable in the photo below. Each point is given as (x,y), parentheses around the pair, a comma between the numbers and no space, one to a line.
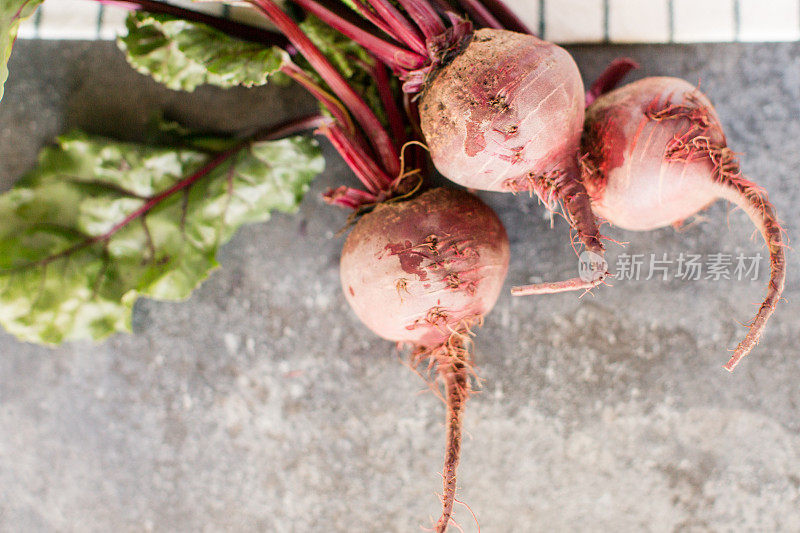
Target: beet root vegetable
(499,110)
(656,155)
(428,264)
(419,269)
(424,272)
(506,114)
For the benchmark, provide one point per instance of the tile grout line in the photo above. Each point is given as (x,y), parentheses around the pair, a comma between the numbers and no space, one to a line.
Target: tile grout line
(100,14)
(542,24)
(671,19)
(37,21)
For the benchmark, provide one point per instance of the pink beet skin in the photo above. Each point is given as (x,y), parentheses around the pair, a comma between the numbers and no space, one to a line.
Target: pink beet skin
(655,154)
(418,270)
(637,186)
(508,109)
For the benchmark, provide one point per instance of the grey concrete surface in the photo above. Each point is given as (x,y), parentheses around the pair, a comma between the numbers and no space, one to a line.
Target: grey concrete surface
(261,404)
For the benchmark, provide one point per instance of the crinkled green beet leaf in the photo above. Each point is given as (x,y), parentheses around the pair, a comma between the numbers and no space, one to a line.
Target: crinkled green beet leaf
(99,223)
(12,13)
(183,55)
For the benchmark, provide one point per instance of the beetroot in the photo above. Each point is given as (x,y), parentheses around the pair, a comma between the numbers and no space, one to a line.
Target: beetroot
(504,113)
(424,272)
(500,110)
(433,265)
(417,269)
(656,155)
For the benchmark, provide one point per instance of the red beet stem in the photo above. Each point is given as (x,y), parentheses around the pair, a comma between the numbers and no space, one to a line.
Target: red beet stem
(394,23)
(393,115)
(368,13)
(365,169)
(424,16)
(376,134)
(349,198)
(343,134)
(481,15)
(610,78)
(329,101)
(389,53)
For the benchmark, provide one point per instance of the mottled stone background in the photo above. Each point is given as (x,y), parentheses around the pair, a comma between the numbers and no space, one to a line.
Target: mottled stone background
(261,404)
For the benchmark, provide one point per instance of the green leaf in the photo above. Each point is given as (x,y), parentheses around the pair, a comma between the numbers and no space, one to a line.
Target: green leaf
(12,13)
(99,223)
(183,55)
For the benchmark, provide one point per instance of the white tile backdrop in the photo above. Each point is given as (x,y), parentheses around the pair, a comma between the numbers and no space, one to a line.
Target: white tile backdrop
(563,21)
